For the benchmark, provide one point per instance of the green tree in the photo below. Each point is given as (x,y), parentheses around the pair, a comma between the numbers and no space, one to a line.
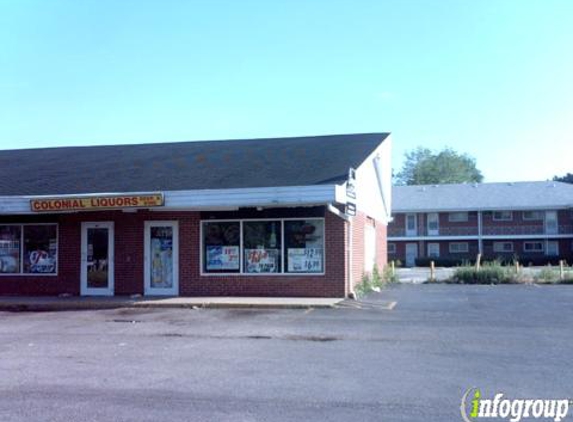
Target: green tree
(423,166)
(568,178)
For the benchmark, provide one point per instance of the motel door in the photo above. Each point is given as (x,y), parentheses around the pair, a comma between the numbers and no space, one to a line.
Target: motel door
(411,254)
(97,269)
(161,258)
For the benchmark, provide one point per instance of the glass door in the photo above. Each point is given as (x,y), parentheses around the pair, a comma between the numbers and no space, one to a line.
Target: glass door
(97,269)
(161,258)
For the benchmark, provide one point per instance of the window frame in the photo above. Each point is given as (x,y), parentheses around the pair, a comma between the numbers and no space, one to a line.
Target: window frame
(494,218)
(21,272)
(503,243)
(542,250)
(392,251)
(433,244)
(467,249)
(540,218)
(459,213)
(242,272)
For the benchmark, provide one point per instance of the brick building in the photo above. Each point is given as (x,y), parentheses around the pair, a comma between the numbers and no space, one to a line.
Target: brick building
(530,221)
(266,217)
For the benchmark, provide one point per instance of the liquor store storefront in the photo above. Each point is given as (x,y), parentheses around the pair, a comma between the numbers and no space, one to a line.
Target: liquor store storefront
(134,244)
(298,217)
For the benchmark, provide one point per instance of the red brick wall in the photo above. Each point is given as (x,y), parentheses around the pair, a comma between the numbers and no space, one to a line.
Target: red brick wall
(129,276)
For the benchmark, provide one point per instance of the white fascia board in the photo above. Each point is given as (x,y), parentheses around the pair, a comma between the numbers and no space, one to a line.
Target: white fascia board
(206,199)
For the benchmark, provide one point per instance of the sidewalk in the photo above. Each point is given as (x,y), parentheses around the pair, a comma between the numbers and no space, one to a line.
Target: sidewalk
(51,303)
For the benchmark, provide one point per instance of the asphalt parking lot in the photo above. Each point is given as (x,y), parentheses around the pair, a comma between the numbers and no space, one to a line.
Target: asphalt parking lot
(360,362)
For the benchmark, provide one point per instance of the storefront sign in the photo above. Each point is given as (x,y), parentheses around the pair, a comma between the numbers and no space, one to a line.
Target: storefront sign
(90,203)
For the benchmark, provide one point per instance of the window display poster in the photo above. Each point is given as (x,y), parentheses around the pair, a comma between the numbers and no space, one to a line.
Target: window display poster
(261,260)
(9,256)
(223,258)
(305,260)
(41,261)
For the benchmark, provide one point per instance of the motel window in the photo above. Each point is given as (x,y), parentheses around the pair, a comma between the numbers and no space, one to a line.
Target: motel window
(459,247)
(458,217)
(502,216)
(503,247)
(532,215)
(265,246)
(392,248)
(533,246)
(29,249)
(262,246)
(433,250)
(221,247)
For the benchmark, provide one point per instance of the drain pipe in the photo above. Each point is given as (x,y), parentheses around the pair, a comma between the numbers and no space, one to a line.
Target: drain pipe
(349,286)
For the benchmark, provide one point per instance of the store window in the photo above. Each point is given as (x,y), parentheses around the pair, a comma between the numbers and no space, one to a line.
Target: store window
(221,247)
(40,249)
(10,243)
(262,246)
(304,245)
(29,249)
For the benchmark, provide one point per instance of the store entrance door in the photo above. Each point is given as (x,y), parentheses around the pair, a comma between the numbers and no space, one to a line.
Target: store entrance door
(97,269)
(161,258)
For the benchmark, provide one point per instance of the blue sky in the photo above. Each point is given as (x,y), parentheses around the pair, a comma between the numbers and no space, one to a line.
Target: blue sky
(492,78)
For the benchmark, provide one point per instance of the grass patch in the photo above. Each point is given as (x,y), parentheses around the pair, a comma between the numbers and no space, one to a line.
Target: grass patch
(489,273)
(497,273)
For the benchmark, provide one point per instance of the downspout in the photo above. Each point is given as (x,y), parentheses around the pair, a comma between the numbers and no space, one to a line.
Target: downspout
(480,241)
(349,286)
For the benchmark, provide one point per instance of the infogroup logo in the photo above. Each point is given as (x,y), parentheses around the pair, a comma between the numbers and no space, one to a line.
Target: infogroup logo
(474,407)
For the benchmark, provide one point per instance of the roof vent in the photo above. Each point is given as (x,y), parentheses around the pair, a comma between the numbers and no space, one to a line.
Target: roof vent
(509,183)
(475,185)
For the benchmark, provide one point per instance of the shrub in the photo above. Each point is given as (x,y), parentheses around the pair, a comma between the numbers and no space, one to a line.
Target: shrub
(374,281)
(547,275)
(489,273)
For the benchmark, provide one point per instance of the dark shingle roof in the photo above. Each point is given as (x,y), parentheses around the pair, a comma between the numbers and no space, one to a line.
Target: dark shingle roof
(184,165)
(482,196)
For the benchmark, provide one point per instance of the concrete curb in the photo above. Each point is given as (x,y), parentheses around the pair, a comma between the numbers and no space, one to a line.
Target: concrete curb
(11,304)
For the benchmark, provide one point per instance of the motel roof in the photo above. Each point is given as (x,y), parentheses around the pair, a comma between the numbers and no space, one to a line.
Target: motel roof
(230,164)
(482,196)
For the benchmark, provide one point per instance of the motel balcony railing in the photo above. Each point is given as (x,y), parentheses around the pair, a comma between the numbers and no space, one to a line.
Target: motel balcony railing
(524,230)
(515,230)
